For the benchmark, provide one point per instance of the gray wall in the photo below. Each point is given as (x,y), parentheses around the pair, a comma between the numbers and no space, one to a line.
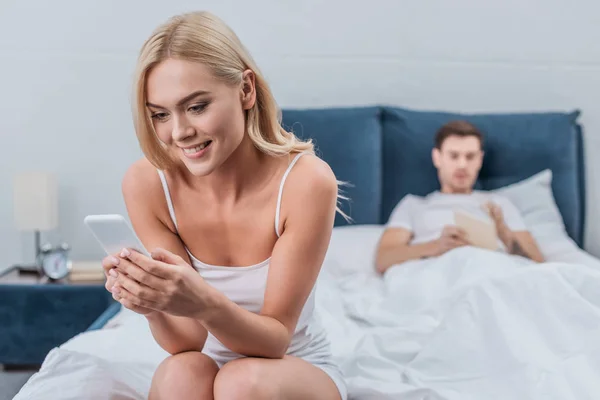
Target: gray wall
(66,69)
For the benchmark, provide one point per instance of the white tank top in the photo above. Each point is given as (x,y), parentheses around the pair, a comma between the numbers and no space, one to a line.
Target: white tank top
(246,287)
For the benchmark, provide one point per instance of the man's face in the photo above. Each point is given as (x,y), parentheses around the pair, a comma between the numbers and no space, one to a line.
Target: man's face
(458,163)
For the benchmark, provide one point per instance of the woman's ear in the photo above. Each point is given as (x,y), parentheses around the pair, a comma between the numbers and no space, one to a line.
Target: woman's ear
(248,89)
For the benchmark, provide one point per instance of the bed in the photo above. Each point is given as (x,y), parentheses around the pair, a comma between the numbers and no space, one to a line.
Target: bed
(469,325)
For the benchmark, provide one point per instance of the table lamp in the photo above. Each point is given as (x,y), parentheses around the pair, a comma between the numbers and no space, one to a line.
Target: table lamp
(35,207)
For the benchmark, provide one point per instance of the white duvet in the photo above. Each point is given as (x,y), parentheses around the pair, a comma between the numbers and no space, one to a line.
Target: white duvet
(471,325)
(468,325)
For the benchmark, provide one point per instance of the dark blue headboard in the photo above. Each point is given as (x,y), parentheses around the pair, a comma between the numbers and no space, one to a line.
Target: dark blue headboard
(384,153)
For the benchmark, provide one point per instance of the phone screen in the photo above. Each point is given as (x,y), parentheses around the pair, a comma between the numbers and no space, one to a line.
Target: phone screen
(114,233)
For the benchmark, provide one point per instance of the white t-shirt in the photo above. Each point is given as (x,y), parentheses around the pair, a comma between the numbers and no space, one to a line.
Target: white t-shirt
(427,216)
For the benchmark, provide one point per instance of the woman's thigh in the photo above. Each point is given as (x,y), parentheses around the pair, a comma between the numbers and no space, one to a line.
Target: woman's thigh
(183,376)
(289,378)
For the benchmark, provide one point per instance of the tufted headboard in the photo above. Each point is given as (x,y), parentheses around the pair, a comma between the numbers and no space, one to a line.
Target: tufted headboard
(384,153)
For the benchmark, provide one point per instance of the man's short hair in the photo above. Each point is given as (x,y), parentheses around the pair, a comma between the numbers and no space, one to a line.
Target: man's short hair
(457,128)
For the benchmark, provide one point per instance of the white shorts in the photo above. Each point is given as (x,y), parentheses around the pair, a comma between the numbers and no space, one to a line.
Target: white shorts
(316,353)
(336,376)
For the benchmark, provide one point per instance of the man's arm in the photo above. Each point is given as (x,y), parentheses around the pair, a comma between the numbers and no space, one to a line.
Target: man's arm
(394,248)
(523,244)
(518,242)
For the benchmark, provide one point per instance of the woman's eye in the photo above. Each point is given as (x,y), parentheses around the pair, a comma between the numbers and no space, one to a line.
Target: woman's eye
(159,116)
(198,108)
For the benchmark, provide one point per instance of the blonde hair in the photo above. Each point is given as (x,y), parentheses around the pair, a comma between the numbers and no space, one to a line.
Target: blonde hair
(204,38)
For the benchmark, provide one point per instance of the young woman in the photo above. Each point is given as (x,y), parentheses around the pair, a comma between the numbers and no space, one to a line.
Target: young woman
(238,214)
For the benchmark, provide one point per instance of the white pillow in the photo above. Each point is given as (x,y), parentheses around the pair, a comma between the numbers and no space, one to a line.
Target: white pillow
(534,199)
(352,249)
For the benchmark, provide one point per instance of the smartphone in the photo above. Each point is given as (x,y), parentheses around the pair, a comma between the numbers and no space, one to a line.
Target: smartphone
(114,233)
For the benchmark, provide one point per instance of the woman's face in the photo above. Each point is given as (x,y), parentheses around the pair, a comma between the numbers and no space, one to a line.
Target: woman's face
(198,117)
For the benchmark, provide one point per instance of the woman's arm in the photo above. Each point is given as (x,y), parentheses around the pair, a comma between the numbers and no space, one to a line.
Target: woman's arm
(309,203)
(143,195)
(169,284)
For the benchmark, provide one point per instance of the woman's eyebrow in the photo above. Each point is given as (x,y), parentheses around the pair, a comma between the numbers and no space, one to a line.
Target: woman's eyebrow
(182,101)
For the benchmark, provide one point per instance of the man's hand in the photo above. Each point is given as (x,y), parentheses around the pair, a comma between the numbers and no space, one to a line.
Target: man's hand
(451,238)
(502,230)
(520,243)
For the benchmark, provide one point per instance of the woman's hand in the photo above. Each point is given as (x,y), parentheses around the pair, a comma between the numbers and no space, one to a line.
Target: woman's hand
(109,264)
(163,282)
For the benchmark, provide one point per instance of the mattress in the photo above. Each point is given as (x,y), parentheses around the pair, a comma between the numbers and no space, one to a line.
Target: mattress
(470,325)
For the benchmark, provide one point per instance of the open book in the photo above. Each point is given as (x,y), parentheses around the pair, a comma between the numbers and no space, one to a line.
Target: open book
(479,232)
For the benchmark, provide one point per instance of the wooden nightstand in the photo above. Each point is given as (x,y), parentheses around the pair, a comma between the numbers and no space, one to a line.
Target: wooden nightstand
(37,315)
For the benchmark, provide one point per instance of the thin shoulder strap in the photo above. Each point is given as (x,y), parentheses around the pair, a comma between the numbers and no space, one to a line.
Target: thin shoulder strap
(165,186)
(277,210)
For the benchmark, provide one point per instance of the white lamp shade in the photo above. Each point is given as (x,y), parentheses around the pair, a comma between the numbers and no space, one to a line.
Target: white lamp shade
(35,201)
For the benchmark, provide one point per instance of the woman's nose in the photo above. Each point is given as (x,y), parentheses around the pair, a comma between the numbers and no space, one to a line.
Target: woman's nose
(182,129)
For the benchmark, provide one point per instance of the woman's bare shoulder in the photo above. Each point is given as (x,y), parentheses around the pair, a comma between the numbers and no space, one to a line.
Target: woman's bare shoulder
(311,178)
(311,167)
(141,177)
(143,193)
(147,208)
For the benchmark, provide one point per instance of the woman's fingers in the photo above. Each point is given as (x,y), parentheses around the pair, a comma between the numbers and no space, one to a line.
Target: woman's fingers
(108,266)
(138,274)
(138,290)
(130,301)
(109,262)
(167,257)
(153,267)
(110,282)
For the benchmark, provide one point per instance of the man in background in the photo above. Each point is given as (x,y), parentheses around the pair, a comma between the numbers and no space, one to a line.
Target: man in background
(422,227)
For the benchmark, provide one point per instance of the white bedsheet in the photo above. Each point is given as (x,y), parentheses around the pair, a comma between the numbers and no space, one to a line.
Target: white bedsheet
(468,325)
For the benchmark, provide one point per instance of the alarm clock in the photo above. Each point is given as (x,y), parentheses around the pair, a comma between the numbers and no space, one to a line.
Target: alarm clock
(54,262)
